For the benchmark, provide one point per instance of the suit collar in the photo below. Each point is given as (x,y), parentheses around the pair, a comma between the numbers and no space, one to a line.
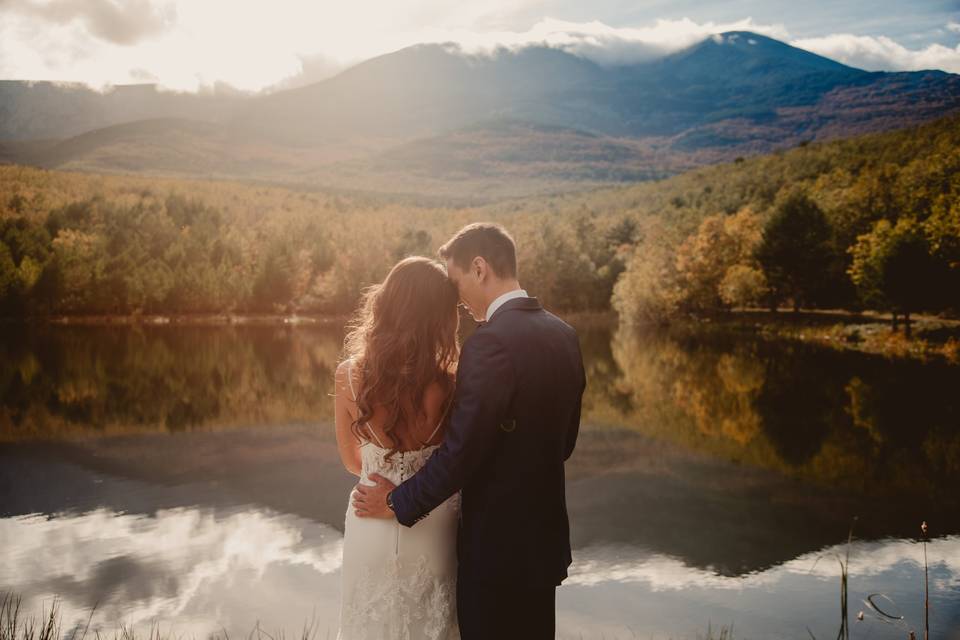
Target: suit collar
(524,303)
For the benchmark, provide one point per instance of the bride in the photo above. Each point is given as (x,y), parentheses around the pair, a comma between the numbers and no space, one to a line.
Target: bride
(392,392)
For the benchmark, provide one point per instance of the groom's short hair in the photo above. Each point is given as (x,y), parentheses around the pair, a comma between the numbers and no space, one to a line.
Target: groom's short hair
(488,240)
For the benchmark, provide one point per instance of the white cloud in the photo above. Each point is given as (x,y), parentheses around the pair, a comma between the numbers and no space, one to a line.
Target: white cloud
(273,45)
(189,45)
(881,53)
(600,42)
(249,45)
(122,23)
(953,26)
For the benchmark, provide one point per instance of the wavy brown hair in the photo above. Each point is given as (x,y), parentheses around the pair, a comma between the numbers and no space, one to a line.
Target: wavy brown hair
(402,339)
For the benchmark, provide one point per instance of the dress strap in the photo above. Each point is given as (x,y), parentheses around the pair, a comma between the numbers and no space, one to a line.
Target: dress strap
(435,429)
(354,394)
(442,417)
(374,434)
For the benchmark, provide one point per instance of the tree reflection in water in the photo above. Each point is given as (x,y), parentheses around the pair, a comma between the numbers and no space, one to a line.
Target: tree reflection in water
(820,414)
(62,381)
(831,417)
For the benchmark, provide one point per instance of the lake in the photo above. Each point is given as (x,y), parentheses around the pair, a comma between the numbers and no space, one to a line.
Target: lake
(187,477)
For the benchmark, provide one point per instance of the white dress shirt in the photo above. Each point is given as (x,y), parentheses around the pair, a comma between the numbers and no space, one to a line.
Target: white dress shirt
(499,300)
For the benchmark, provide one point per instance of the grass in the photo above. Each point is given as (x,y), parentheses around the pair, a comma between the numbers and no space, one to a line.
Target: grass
(11,628)
(871,601)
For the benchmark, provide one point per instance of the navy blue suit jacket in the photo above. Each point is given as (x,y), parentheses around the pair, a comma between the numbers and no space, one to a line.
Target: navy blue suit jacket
(514,422)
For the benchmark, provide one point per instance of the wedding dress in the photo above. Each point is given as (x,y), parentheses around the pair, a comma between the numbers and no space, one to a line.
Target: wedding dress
(398,583)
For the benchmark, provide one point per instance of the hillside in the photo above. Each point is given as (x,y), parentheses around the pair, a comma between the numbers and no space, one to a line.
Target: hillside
(82,243)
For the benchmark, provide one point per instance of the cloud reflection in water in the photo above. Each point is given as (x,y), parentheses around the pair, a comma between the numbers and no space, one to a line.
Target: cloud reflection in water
(200,568)
(143,567)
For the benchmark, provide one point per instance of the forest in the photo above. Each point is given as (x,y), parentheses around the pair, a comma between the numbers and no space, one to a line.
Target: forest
(871,222)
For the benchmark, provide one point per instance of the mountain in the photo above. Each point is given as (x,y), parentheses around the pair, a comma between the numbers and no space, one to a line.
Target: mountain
(417,91)
(740,60)
(432,114)
(736,74)
(433,89)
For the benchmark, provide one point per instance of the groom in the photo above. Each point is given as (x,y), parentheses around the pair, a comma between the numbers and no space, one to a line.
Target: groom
(515,420)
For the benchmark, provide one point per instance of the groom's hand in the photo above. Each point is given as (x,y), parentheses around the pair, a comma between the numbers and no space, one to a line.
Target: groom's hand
(371,502)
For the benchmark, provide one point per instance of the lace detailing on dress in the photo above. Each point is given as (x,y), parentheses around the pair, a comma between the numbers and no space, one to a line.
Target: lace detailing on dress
(399,583)
(402,600)
(398,467)
(402,463)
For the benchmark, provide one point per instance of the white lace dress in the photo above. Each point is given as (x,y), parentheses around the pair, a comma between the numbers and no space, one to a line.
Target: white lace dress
(399,583)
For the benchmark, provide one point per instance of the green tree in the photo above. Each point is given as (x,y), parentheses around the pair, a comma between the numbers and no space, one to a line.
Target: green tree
(942,229)
(8,272)
(795,252)
(894,268)
(413,243)
(562,274)
(273,287)
(79,266)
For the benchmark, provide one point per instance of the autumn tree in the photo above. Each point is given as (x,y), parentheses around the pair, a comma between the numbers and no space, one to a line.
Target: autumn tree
(720,251)
(648,292)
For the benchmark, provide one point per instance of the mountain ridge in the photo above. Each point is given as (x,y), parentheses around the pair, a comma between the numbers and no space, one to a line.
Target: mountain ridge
(432,110)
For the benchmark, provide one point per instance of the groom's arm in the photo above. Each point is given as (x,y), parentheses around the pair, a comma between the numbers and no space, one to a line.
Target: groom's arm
(485,380)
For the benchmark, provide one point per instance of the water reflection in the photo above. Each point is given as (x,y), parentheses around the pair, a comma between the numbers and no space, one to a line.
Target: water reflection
(210,571)
(182,565)
(190,473)
(626,592)
(799,409)
(827,416)
(65,381)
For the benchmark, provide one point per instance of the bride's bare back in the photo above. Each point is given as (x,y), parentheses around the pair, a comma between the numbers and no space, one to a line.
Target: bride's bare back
(428,431)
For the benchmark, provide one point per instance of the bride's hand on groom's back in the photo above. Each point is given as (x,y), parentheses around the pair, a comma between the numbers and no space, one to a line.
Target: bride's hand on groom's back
(371,501)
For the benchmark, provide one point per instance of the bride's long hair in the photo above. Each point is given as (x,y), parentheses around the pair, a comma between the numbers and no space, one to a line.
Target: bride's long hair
(402,338)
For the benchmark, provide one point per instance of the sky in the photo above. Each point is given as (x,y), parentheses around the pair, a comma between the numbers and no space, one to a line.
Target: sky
(248,45)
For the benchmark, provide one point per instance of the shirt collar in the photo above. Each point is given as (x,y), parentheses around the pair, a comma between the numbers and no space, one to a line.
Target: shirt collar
(499,300)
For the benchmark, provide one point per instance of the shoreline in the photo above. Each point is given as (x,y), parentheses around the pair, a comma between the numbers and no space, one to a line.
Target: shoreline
(224,319)
(933,337)
(584,318)
(783,314)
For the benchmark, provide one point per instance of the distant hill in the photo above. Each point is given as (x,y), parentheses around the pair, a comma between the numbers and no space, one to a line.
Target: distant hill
(494,148)
(170,146)
(47,110)
(430,117)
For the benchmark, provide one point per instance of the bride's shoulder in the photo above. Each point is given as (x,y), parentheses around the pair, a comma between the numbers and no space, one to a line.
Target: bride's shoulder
(343,367)
(345,375)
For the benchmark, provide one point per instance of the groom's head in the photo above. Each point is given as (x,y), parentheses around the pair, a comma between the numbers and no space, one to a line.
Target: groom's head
(482,261)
